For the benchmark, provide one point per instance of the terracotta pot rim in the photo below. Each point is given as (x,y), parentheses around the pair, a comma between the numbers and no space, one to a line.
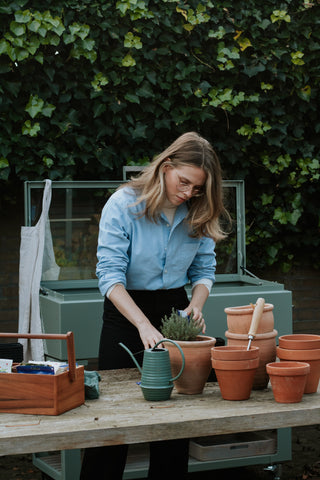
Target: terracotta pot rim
(202,341)
(249,364)
(244,336)
(284,369)
(297,341)
(304,355)
(241,309)
(234,352)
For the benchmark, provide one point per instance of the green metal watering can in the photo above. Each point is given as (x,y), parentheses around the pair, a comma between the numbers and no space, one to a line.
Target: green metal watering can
(156,377)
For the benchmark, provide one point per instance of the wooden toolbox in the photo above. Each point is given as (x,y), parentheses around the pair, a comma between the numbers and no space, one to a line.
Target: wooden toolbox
(41,394)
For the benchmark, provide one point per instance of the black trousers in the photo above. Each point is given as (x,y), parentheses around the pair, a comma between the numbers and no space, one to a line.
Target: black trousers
(167,458)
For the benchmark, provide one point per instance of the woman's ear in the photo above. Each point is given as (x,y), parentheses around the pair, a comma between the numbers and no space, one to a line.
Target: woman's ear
(167,164)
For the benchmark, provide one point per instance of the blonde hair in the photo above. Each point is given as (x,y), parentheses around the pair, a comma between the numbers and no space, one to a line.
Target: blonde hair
(205,211)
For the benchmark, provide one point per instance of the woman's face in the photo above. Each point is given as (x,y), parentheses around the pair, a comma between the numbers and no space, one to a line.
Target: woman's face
(183,182)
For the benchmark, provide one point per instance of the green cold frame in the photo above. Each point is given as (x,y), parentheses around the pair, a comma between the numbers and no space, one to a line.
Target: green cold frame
(72,302)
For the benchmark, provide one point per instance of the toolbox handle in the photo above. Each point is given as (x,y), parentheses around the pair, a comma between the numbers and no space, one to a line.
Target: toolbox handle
(52,336)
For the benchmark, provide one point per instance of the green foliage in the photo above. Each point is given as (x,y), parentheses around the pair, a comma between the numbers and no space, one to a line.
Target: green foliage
(176,327)
(87,87)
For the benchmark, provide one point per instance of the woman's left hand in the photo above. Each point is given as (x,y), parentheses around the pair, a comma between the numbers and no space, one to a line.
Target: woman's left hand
(197,316)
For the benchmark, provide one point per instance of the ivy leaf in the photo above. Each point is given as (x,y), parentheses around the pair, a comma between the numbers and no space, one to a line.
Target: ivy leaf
(266,86)
(152,77)
(132,98)
(21,54)
(98,109)
(39,58)
(4,46)
(244,43)
(17,28)
(34,26)
(272,251)
(5,10)
(128,61)
(34,106)
(23,17)
(4,169)
(266,199)
(74,28)
(139,131)
(296,58)
(47,161)
(48,109)
(59,29)
(264,24)
(88,44)
(13,88)
(279,16)
(132,41)
(183,12)
(30,129)
(145,91)
(3,163)
(220,33)
(252,70)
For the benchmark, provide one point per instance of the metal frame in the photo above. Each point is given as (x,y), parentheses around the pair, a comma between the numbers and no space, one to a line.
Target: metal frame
(66,465)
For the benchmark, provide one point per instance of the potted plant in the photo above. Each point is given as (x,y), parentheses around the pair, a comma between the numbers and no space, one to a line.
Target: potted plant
(196,347)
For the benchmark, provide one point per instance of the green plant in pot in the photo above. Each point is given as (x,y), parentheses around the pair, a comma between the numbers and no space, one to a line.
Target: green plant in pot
(196,348)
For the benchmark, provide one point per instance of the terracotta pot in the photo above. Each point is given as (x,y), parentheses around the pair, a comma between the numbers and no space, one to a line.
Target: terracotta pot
(197,367)
(310,356)
(288,380)
(239,319)
(235,377)
(299,341)
(232,352)
(267,353)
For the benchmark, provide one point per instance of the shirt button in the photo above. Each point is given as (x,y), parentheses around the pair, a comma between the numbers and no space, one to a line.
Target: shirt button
(168,224)
(166,271)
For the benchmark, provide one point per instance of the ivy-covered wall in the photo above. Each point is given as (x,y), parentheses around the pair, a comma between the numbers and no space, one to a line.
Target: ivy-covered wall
(88,86)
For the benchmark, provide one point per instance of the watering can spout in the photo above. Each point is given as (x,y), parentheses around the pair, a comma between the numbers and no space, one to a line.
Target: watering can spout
(131,355)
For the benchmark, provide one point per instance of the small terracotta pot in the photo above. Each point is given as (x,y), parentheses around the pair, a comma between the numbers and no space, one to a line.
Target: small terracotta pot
(239,319)
(235,377)
(267,353)
(299,341)
(312,357)
(231,352)
(288,380)
(197,355)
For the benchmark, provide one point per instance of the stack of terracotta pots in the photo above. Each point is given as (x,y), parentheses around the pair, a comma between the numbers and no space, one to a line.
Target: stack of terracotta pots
(235,368)
(302,348)
(239,321)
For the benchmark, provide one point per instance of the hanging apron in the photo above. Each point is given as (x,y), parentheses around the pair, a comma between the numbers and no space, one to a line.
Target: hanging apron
(32,249)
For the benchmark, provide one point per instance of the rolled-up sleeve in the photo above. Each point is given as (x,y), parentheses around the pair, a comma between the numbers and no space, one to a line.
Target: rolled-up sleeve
(204,262)
(113,245)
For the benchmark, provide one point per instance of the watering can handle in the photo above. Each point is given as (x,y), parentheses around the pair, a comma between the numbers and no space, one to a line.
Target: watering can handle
(182,355)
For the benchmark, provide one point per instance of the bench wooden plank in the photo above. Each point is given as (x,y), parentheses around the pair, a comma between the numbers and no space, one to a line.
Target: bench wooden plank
(121,415)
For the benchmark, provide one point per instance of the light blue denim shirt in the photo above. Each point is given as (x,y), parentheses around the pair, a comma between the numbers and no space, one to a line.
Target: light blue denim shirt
(143,255)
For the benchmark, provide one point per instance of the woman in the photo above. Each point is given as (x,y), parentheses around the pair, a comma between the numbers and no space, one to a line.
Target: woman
(157,233)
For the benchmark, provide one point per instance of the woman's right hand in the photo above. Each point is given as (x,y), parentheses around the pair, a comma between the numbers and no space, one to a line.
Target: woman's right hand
(149,335)
(125,304)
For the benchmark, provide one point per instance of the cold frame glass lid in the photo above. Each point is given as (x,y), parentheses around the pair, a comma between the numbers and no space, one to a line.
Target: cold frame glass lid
(72,231)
